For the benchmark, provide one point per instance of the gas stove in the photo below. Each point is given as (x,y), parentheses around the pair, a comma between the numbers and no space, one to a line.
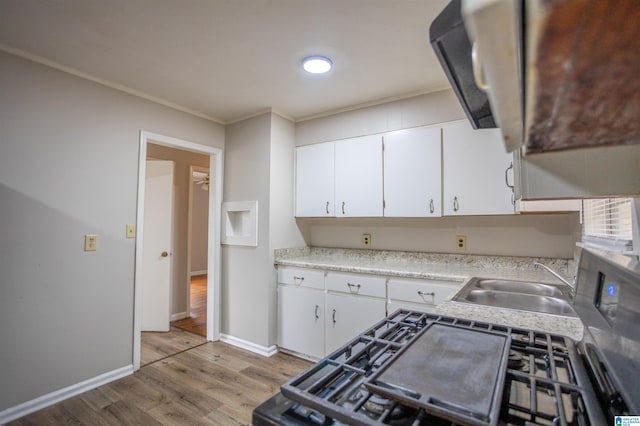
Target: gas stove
(416,368)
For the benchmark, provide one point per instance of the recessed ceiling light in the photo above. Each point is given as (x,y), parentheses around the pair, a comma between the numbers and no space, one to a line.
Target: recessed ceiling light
(317,64)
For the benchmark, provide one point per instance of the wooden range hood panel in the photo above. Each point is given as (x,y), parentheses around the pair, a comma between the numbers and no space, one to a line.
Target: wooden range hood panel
(583,81)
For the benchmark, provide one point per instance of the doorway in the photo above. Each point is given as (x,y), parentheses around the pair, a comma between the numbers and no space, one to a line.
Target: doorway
(197,235)
(211,280)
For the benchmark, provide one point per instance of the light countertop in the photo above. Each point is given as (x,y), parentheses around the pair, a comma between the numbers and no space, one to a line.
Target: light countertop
(447,267)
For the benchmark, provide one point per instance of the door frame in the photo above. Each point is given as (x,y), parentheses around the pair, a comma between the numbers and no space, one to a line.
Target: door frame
(192,169)
(214,248)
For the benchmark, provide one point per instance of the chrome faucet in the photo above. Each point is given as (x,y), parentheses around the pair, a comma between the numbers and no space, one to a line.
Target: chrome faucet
(572,286)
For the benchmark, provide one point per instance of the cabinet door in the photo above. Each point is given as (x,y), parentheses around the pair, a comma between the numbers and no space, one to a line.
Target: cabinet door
(349,315)
(301,320)
(358,177)
(413,173)
(475,168)
(314,180)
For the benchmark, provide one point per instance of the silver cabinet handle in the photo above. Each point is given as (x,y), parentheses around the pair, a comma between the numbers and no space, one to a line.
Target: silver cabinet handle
(456,205)
(343,208)
(299,279)
(422,294)
(431,206)
(316,312)
(333,316)
(351,286)
(506,176)
(506,181)
(327,207)
(477,69)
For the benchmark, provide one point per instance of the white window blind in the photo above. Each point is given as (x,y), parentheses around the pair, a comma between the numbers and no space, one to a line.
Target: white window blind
(607,221)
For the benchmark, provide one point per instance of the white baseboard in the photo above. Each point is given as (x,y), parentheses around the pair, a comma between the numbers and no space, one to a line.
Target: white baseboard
(178,316)
(196,273)
(249,346)
(44,401)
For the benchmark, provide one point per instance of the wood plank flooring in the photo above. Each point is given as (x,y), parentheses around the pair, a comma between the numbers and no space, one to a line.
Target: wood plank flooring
(197,321)
(211,384)
(157,345)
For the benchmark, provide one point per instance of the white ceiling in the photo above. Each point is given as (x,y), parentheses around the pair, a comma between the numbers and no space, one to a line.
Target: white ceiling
(230,59)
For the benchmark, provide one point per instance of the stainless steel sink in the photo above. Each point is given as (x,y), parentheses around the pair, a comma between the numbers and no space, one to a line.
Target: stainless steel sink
(526,287)
(521,295)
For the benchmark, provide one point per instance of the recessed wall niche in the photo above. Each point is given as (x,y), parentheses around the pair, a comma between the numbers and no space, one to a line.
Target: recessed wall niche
(240,223)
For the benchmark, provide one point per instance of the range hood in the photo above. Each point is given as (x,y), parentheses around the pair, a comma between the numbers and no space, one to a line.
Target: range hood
(561,74)
(451,44)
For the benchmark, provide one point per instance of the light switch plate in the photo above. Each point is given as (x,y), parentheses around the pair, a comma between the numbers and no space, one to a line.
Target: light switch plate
(131,231)
(90,242)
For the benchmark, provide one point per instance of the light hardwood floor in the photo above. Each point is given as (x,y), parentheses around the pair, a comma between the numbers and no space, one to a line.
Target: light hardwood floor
(197,321)
(211,384)
(157,345)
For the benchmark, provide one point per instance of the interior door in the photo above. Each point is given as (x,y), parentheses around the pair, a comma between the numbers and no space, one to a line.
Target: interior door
(156,256)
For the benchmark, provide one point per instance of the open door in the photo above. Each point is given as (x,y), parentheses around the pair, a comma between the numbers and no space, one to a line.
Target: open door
(156,255)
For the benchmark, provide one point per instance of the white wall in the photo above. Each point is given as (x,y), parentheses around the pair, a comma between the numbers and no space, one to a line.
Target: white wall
(524,235)
(69,167)
(246,270)
(283,230)
(182,161)
(436,107)
(258,166)
(517,235)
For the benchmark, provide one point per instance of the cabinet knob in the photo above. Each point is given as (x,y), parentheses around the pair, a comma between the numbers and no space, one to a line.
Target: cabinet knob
(164,254)
(456,205)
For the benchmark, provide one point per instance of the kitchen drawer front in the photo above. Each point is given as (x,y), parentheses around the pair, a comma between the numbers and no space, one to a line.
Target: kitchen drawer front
(301,277)
(362,285)
(427,293)
(394,305)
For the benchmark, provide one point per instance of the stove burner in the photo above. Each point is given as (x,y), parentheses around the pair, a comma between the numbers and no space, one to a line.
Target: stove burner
(376,405)
(516,361)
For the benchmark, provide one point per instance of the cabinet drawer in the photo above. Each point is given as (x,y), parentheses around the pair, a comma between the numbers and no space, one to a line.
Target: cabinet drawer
(301,277)
(429,293)
(362,285)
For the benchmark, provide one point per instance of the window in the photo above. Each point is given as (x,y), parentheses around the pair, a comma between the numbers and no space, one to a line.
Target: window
(607,223)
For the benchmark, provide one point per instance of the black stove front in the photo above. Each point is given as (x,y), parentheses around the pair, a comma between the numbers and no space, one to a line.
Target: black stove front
(414,368)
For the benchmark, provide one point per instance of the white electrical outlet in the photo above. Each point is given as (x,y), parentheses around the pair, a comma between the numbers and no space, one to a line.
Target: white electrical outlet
(366,240)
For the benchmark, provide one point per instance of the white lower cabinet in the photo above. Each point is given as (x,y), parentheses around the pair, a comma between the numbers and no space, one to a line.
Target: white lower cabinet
(301,320)
(422,295)
(348,315)
(318,312)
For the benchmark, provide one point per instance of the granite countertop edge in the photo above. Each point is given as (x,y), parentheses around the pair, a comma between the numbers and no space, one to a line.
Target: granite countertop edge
(446,267)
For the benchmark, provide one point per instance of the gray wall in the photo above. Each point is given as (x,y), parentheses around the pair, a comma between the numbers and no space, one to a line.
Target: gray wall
(69,167)
(245,270)
(545,235)
(283,230)
(258,166)
(200,227)
(182,162)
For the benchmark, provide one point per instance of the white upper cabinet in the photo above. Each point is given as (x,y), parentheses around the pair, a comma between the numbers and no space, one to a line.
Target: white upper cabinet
(315,180)
(358,177)
(476,171)
(413,173)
